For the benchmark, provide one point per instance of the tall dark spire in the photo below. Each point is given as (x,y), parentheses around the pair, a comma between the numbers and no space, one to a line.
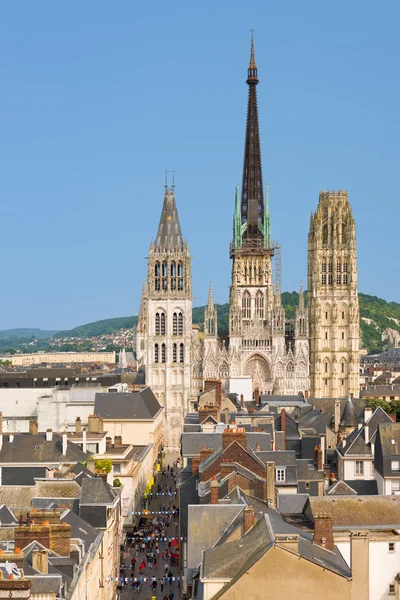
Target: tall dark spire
(169,230)
(252,206)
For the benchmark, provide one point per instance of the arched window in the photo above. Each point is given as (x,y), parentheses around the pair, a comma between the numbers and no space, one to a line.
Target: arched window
(163,353)
(175,324)
(259,305)
(180,324)
(157,276)
(181,353)
(173,275)
(246,305)
(344,236)
(163,328)
(164,276)
(157,324)
(156,354)
(142,344)
(174,353)
(180,275)
(345,273)
(325,234)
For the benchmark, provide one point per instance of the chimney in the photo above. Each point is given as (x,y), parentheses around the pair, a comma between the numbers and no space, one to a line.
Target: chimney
(195,464)
(270,483)
(33,427)
(239,435)
(83,438)
(205,453)
(257,397)
(337,416)
(359,562)
(108,442)
(283,426)
(249,518)
(227,416)
(306,394)
(242,401)
(393,416)
(117,441)
(52,516)
(323,534)
(214,488)
(64,443)
(78,425)
(366,433)
(17,557)
(60,536)
(49,435)
(279,440)
(367,413)
(95,424)
(40,561)
(318,458)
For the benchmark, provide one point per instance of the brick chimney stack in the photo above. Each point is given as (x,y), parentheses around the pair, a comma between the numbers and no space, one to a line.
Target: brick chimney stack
(214,488)
(318,458)
(249,518)
(33,427)
(323,534)
(231,435)
(195,464)
(40,561)
(205,453)
(257,397)
(78,425)
(270,476)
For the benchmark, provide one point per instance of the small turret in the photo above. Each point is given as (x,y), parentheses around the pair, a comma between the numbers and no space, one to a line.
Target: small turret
(210,316)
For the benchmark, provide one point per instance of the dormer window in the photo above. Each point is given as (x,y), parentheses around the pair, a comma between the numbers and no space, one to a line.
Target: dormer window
(280,475)
(395,465)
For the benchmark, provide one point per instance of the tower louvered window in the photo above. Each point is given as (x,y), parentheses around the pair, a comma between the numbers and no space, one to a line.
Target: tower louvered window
(181,353)
(180,276)
(156,353)
(259,305)
(180,324)
(174,353)
(175,324)
(163,353)
(164,276)
(162,325)
(157,276)
(157,324)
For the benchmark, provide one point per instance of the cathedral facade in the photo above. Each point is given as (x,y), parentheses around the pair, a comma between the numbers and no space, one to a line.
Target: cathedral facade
(316,352)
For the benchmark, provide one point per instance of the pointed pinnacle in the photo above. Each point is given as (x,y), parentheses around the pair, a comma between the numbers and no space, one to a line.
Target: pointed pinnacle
(210,297)
(301,297)
(252,64)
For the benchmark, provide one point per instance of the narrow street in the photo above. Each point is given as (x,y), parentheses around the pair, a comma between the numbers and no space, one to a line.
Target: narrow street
(158,529)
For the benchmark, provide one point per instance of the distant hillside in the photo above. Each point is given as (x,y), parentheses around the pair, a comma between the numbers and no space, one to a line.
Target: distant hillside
(376,316)
(103,327)
(26,333)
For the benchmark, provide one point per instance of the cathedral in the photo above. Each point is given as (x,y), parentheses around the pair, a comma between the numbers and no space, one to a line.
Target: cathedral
(315,354)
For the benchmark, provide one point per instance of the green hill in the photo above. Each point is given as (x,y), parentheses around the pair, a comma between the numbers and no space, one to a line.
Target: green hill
(376,315)
(96,328)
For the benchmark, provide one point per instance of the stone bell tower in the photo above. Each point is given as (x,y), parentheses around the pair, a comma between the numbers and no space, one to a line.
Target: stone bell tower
(167,353)
(333,298)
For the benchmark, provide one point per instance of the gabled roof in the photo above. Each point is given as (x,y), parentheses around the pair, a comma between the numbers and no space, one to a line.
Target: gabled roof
(96,491)
(327,405)
(141,406)
(355,441)
(7,517)
(353,488)
(34,448)
(80,529)
(349,417)
(370,512)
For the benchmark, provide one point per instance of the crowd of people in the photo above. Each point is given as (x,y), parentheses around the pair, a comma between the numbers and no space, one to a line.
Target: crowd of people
(150,555)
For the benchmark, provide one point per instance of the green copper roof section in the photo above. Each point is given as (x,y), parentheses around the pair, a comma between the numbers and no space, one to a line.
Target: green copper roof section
(265,227)
(237,221)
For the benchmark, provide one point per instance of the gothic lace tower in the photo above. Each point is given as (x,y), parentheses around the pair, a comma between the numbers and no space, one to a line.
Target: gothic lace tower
(251,296)
(333,298)
(169,320)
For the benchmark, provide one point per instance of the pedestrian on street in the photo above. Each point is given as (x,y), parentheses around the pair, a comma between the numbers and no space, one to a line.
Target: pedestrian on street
(171,596)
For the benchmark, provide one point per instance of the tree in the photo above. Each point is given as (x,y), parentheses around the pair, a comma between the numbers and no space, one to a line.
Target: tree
(117,483)
(103,464)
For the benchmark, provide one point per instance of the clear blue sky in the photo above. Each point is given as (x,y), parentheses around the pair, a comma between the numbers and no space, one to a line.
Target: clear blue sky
(98,98)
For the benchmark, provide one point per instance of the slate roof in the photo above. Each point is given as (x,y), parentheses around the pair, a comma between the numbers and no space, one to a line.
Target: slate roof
(388,434)
(306,470)
(353,488)
(16,496)
(291,504)
(96,491)
(192,442)
(187,495)
(284,400)
(349,416)
(140,406)
(234,559)
(33,448)
(169,233)
(206,524)
(57,488)
(377,391)
(80,529)
(357,511)
(313,418)
(7,517)
(327,405)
